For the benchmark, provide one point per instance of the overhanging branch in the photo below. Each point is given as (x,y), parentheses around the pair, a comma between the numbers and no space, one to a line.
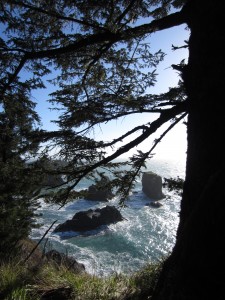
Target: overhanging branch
(57,15)
(14,75)
(174,19)
(169,21)
(164,117)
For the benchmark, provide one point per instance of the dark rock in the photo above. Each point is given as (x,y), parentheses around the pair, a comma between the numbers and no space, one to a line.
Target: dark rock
(91,219)
(52,180)
(154,204)
(99,192)
(152,185)
(60,293)
(61,259)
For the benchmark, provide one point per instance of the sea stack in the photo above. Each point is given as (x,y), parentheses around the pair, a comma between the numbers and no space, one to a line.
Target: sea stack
(152,185)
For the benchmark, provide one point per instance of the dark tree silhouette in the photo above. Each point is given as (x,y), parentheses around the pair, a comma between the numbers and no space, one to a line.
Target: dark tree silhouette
(195,270)
(101,57)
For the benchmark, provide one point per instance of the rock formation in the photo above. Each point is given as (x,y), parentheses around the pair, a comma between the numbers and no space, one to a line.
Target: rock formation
(156,204)
(91,219)
(152,185)
(51,180)
(99,192)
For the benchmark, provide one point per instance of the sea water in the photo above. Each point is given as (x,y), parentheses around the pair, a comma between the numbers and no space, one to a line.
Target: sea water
(146,234)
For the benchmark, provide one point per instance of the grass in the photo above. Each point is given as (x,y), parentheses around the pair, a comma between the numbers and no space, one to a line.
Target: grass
(14,281)
(20,282)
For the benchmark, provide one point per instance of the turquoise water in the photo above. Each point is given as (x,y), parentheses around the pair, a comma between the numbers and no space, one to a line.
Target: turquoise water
(145,235)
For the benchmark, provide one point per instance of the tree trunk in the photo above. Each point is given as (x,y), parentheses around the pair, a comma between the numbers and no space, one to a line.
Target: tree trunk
(196,267)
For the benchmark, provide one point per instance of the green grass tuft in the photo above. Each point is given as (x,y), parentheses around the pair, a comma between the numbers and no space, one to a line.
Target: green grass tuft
(19,282)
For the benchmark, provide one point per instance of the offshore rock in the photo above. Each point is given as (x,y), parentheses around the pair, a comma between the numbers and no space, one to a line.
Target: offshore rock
(99,192)
(91,219)
(155,204)
(152,185)
(52,181)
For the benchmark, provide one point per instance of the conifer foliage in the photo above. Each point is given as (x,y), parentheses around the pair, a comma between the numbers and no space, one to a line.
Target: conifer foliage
(99,59)
(17,119)
(102,66)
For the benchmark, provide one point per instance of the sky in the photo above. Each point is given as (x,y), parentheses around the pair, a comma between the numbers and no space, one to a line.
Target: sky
(174,144)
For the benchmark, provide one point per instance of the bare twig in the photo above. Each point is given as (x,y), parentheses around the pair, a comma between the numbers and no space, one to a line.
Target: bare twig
(46,232)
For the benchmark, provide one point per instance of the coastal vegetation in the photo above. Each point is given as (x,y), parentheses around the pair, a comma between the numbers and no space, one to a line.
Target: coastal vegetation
(37,280)
(98,60)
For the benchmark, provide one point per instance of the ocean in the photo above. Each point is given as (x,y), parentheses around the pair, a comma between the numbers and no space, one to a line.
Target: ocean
(145,235)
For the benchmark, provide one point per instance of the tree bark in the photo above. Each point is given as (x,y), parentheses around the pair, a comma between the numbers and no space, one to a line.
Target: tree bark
(196,267)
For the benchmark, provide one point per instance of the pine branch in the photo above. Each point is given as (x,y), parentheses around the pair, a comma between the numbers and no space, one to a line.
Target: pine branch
(174,19)
(165,116)
(123,14)
(57,15)
(94,39)
(14,75)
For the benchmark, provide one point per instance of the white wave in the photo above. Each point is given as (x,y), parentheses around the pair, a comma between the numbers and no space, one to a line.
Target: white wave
(145,234)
